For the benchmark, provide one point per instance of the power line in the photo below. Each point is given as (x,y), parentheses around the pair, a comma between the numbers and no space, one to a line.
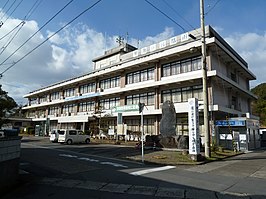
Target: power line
(11,31)
(5,4)
(13,10)
(166,15)
(11,39)
(21,24)
(32,9)
(87,9)
(179,15)
(8,9)
(36,32)
(212,7)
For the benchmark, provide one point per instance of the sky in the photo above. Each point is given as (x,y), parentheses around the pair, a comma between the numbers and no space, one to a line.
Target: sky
(64,50)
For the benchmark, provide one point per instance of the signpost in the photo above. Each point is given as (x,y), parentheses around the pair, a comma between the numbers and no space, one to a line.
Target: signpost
(193,121)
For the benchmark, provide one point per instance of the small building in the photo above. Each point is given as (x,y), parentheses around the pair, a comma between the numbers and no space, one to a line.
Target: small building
(243,131)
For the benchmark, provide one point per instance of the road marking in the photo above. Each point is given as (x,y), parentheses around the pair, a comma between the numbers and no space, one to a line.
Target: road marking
(142,172)
(68,155)
(93,160)
(79,153)
(114,164)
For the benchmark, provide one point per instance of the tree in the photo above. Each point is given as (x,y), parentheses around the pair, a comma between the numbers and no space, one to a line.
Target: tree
(8,106)
(259,106)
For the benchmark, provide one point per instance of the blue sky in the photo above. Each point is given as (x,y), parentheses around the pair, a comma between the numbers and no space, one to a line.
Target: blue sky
(69,53)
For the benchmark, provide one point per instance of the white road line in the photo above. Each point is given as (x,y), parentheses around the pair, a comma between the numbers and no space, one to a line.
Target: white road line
(142,172)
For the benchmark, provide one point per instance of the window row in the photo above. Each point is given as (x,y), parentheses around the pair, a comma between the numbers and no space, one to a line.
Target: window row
(147,98)
(183,66)
(182,94)
(87,88)
(107,104)
(140,76)
(110,82)
(69,92)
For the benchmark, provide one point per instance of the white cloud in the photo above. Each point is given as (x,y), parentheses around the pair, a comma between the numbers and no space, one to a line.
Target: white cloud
(65,55)
(252,47)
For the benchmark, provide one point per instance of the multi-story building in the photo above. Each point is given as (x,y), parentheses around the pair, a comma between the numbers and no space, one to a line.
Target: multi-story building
(168,70)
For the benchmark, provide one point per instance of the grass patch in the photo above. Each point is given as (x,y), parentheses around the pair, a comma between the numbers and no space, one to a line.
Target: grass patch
(164,158)
(219,155)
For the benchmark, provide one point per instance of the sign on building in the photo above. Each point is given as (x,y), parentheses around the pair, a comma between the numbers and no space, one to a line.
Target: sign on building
(126,108)
(193,121)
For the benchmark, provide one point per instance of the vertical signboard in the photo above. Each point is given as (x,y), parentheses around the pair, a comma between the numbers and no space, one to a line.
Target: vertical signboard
(193,121)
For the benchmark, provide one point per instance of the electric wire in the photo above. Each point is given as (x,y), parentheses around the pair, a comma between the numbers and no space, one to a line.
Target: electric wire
(8,10)
(21,24)
(212,7)
(184,30)
(32,9)
(36,32)
(10,31)
(11,39)
(87,9)
(5,4)
(171,7)
(13,10)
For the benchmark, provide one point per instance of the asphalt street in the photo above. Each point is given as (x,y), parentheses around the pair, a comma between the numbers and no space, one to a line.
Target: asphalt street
(52,170)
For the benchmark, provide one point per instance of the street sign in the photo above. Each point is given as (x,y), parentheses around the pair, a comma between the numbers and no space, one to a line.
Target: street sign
(126,108)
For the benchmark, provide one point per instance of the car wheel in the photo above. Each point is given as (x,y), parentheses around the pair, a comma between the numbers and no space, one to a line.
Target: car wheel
(69,142)
(87,141)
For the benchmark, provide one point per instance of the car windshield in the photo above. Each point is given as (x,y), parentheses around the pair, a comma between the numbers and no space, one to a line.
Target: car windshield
(61,132)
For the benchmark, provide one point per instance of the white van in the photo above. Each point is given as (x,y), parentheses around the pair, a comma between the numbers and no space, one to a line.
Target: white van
(71,136)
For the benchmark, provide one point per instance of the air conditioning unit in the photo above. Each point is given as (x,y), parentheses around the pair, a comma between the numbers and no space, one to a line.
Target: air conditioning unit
(56,114)
(78,94)
(62,97)
(99,90)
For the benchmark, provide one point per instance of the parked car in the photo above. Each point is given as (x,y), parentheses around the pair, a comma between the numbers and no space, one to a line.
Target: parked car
(54,135)
(71,136)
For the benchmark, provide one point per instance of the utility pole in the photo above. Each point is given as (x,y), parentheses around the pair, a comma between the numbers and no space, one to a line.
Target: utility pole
(204,82)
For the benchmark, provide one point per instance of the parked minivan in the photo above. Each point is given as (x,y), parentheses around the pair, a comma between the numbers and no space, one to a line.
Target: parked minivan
(71,136)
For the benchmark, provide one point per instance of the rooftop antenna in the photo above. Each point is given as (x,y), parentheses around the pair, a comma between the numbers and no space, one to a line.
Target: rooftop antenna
(127,38)
(120,40)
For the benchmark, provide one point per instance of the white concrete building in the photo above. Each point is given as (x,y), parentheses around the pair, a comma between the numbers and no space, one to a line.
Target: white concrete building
(168,70)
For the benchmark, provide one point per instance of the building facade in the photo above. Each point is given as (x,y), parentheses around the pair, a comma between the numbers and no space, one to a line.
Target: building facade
(168,70)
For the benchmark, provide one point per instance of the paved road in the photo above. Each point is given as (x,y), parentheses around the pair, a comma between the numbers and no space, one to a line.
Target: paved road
(92,171)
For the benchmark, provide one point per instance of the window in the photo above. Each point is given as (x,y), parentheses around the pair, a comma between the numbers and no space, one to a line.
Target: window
(86,106)
(72,132)
(110,83)
(87,88)
(54,110)
(109,103)
(68,108)
(182,94)
(140,76)
(33,101)
(183,66)
(147,98)
(69,92)
(55,96)
(43,99)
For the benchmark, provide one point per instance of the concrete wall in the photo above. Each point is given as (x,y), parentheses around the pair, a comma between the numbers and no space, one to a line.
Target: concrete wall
(9,162)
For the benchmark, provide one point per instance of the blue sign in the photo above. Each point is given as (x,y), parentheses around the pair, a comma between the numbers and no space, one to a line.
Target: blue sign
(82,96)
(230,123)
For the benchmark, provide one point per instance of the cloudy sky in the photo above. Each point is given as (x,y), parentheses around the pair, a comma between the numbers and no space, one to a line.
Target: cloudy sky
(69,52)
